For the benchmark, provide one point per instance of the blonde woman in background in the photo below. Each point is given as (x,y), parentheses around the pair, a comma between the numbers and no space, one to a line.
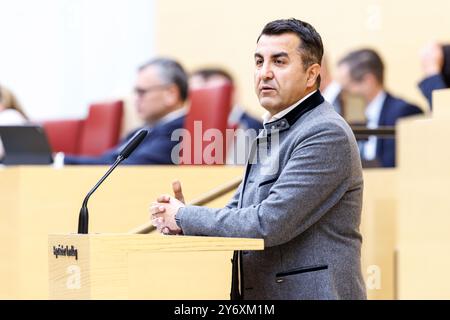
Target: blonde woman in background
(11,112)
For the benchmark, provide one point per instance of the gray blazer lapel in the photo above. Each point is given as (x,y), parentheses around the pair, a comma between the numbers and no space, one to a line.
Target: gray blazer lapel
(248,165)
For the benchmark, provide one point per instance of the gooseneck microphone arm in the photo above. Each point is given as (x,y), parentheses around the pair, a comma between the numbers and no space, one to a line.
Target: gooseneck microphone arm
(83,219)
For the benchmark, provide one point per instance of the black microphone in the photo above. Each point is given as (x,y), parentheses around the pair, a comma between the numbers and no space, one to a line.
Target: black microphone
(83,219)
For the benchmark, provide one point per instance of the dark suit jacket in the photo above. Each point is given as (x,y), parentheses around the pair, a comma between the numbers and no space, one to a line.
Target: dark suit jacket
(392,110)
(248,122)
(429,84)
(155,149)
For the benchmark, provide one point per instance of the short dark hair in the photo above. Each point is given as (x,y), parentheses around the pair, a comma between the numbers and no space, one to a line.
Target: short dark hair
(172,72)
(311,46)
(207,73)
(362,62)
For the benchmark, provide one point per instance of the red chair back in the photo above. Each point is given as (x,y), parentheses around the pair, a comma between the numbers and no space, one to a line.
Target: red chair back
(206,122)
(101,129)
(63,135)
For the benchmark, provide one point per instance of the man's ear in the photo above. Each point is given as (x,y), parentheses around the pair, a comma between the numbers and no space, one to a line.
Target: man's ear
(172,95)
(312,73)
(370,79)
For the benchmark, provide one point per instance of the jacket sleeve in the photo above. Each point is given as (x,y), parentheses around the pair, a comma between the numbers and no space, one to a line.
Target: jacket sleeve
(314,179)
(155,149)
(429,84)
(105,159)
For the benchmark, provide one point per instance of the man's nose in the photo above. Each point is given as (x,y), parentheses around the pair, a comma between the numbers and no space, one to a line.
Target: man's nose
(266,71)
(137,101)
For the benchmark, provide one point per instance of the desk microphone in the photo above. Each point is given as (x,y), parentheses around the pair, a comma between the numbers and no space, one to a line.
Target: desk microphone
(83,220)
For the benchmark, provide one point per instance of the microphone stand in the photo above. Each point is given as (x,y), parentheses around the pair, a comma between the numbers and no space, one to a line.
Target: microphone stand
(83,219)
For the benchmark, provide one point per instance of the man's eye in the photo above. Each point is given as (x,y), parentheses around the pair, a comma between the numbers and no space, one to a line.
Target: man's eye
(258,62)
(279,61)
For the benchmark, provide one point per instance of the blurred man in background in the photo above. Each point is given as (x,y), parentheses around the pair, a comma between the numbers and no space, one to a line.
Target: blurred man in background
(161,91)
(361,73)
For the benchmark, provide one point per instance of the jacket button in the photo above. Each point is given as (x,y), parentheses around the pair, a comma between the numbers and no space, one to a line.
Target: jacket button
(280,280)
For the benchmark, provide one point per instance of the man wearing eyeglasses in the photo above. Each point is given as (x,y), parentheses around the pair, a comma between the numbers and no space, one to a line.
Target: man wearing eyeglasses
(161,90)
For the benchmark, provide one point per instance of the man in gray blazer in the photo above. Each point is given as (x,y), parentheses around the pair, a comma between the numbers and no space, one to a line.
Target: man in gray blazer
(302,189)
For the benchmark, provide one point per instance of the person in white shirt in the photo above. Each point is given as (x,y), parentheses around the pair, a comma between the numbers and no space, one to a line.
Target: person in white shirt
(361,73)
(330,88)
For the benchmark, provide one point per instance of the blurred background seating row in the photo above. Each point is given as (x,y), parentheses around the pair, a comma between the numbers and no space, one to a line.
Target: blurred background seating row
(209,109)
(101,129)
(91,136)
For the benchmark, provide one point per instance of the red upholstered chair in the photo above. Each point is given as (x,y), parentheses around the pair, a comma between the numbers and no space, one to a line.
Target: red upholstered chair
(206,122)
(101,128)
(91,136)
(63,135)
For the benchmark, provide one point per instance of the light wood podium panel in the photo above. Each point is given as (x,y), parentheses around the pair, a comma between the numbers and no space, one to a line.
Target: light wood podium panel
(441,104)
(424,204)
(37,201)
(118,266)
(9,238)
(378,229)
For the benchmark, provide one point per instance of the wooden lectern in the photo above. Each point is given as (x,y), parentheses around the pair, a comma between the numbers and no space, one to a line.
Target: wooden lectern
(423,222)
(125,266)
